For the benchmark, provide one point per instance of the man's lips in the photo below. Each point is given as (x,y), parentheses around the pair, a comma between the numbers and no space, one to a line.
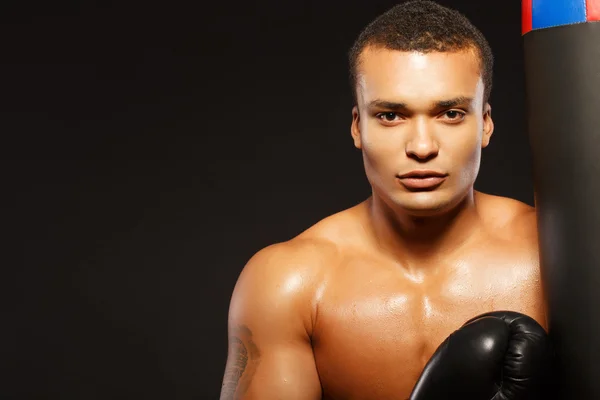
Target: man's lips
(422,180)
(423,174)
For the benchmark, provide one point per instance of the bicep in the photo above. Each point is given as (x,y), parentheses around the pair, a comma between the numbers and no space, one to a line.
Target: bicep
(260,370)
(270,354)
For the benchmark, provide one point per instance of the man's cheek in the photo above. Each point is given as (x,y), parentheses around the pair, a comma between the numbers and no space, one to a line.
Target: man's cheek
(465,147)
(381,159)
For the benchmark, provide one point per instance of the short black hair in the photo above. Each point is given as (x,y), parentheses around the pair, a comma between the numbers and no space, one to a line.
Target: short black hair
(423,26)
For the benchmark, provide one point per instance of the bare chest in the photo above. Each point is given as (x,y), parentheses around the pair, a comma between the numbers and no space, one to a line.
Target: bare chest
(375,331)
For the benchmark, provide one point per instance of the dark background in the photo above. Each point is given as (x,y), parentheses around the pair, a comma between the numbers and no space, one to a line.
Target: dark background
(148,150)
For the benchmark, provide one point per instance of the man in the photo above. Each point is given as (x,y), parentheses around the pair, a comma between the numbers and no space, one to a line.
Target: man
(354,307)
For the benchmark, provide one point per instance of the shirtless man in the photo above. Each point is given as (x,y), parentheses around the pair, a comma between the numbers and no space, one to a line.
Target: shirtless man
(355,306)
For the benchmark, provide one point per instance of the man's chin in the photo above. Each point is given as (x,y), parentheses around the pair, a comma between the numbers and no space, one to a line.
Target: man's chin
(423,204)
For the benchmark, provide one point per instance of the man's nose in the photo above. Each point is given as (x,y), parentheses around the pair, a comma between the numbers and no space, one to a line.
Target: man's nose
(422,144)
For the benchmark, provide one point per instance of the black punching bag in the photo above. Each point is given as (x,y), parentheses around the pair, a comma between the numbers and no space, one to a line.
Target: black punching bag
(562,58)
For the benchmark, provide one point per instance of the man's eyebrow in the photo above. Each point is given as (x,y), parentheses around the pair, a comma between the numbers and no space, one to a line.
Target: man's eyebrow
(388,105)
(457,101)
(391,105)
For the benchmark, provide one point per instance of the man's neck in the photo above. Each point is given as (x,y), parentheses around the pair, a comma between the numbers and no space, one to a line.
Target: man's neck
(413,241)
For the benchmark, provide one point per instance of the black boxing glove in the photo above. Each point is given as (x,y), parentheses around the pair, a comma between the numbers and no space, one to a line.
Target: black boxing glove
(499,355)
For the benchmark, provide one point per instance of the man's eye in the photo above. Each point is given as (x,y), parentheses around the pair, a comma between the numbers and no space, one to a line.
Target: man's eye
(454,115)
(388,116)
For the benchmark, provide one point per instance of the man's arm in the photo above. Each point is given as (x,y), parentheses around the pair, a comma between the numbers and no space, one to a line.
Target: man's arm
(270,354)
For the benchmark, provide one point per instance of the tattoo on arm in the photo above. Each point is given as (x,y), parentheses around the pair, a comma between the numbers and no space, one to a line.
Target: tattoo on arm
(242,360)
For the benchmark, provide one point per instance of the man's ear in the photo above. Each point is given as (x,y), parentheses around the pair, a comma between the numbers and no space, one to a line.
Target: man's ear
(488,126)
(355,127)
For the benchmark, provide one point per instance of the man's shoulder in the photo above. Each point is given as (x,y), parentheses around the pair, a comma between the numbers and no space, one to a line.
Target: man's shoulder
(506,209)
(291,267)
(511,218)
(277,287)
(306,257)
(305,252)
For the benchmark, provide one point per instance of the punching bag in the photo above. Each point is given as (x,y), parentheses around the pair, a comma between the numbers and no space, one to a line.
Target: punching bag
(562,72)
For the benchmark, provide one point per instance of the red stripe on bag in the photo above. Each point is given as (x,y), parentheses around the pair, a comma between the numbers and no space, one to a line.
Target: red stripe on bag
(593,10)
(527,15)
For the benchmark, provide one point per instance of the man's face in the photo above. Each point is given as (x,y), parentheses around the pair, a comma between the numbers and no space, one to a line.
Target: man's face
(421,114)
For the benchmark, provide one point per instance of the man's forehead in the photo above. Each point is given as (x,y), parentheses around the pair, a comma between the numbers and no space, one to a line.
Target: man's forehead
(434,76)
(378,63)
(375,52)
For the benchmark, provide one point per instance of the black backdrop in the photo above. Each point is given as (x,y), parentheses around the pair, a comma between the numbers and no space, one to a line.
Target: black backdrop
(150,149)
